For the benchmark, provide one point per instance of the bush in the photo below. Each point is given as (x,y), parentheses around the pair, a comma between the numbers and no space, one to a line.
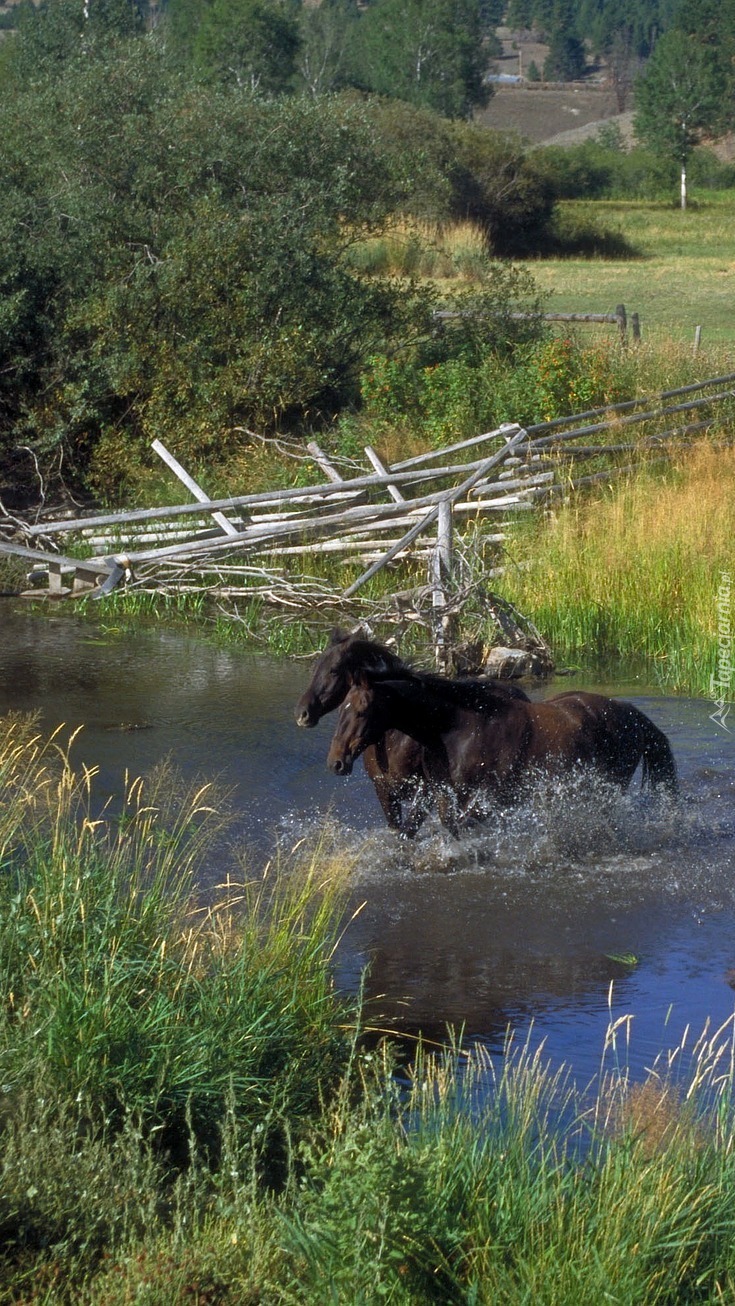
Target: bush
(601,169)
(496,184)
(184,274)
(456,398)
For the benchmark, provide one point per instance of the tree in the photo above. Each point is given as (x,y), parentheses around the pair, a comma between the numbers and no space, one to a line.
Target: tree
(253,43)
(566,59)
(428,52)
(56,31)
(173,262)
(679,99)
(326,32)
(520,15)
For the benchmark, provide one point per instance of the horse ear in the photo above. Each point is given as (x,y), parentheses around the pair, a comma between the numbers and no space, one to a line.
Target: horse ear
(337,635)
(363,630)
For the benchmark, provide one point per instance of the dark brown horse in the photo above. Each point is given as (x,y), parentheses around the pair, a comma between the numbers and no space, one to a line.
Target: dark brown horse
(468,755)
(393,760)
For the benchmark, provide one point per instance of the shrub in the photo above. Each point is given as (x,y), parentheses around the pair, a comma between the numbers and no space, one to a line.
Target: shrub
(184,275)
(601,169)
(496,184)
(457,397)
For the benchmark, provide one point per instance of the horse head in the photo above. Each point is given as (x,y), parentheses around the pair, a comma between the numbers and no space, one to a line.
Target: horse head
(346,655)
(359,724)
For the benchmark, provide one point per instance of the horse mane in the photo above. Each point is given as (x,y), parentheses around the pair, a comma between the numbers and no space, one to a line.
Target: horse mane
(361,654)
(472,694)
(366,654)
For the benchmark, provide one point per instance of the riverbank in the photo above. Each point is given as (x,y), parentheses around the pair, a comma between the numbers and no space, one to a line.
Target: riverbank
(613,574)
(203,1119)
(625,578)
(632,574)
(189,1111)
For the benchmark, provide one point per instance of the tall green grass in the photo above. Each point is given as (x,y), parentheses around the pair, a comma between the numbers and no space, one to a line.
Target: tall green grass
(127,991)
(632,572)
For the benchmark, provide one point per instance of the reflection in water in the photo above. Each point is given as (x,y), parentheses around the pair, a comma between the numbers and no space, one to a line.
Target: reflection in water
(528,920)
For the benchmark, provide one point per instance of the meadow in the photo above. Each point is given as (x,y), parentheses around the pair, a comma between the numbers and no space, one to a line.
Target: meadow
(680,274)
(192,1113)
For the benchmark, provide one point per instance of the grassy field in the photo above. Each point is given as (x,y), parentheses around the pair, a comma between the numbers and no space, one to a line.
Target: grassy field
(682,274)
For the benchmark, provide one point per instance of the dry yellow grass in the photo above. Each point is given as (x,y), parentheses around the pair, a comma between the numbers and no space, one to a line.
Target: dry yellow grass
(635,570)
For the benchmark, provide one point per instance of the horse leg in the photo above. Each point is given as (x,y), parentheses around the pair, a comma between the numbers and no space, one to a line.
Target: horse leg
(415,809)
(446,809)
(389,801)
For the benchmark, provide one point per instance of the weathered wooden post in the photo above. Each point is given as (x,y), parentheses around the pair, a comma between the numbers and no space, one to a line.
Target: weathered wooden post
(635,326)
(697,341)
(196,490)
(622,317)
(441,574)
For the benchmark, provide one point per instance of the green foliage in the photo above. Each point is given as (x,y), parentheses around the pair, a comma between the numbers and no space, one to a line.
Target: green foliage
(327,33)
(566,61)
(428,52)
(251,42)
(174,261)
(496,184)
(457,398)
(369,1223)
(680,97)
(631,572)
(58,31)
(122,996)
(66,1191)
(464,1181)
(600,169)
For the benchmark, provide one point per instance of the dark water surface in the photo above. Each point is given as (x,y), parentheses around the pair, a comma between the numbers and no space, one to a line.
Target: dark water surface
(522,923)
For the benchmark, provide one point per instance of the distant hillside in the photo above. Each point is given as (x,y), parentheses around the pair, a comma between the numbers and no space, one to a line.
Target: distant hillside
(540,111)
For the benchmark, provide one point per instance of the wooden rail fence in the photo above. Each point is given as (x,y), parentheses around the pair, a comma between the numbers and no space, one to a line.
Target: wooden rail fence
(414,507)
(619,318)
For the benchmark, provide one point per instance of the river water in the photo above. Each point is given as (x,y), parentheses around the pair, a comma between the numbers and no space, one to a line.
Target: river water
(553,921)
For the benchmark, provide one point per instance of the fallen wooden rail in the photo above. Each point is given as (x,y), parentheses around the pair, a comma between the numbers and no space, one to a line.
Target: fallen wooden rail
(412,508)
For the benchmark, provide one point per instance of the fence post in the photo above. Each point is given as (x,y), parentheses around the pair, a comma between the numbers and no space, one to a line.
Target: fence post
(622,317)
(441,575)
(697,341)
(635,324)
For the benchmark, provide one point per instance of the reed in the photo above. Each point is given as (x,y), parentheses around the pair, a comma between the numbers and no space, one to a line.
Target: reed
(502,1184)
(633,571)
(127,990)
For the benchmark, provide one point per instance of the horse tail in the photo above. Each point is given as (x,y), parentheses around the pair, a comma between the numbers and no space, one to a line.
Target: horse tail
(659,767)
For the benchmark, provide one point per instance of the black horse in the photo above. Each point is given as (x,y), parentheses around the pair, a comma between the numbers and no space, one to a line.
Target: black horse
(468,755)
(393,760)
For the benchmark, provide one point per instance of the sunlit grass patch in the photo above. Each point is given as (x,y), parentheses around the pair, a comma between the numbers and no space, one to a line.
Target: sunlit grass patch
(633,571)
(682,278)
(415,248)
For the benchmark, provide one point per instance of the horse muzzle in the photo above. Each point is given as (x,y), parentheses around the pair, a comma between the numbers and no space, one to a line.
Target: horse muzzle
(305,718)
(340,765)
